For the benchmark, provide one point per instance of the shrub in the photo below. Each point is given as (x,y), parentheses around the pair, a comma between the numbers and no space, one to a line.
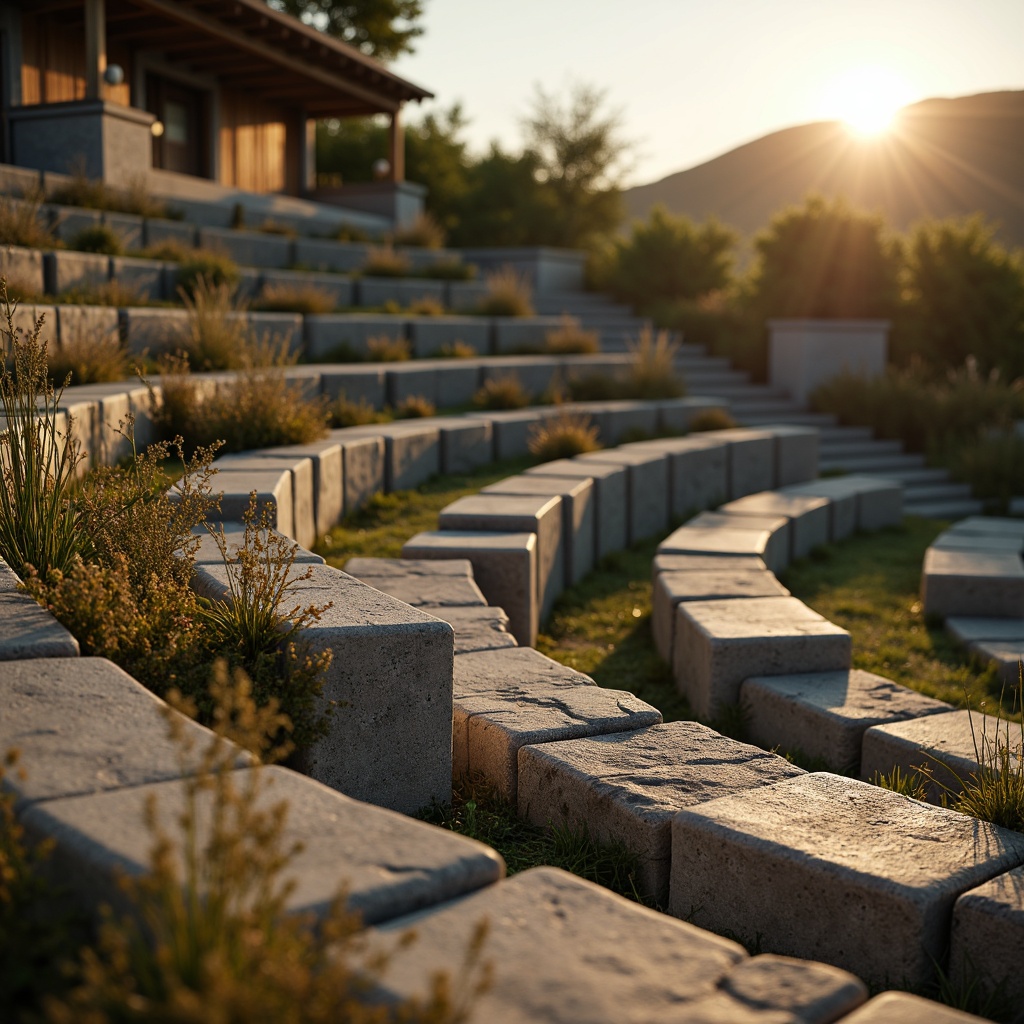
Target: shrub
(297,298)
(449,270)
(346,413)
(427,305)
(563,436)
(504,392)
(423,233)
(20,223)
(88,356)
(993,465)
(593,387)
(414,407)
(213,268)
(386,263)
(508,294)
(81,190)
(348,233)
(217,334)
(109,293)
(652,372)
(40,517)
(97,238)
(273,227)
(571,339)
(712,419)
(388,350)
(456,350)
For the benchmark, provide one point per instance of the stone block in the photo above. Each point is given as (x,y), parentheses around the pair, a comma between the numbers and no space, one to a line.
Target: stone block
(303,515)
(1005,655)
(988,935)
(82,725)
(698,471)
(376,291)
(356,383)
(478,629)
(625,788)
(458,380)
(718,644)
(809,518)
(249,248)
(233,534)
(842,508)
(610,499)
(23,268)
(334,336)
(509,513)
(363,464)
(431,334)
(514,672)
(328,478)
(148,279)
(390,740)
(466,445)
(673,588)
(111,408)
(515,333)
(714,533)
(489,728)
(987,526)
(504,567)
(335,286)
(535,373)
(705,563)
(903,1008)
(977,584)
(948,745)
(127,227)
(796,453)
(458,568)
(622,420)
(566,951)
(954,540)
(510,430)
(751,460)
(412,454)
(390,865)
(578,515)
(154,330)
(849,864)
(83,271)
(156,231)
(411,380)
(28,630)
(970,631)
(823,715)
(648,488)
(283,328)
(323,254)
(70,221)
(466,295)
(676,414)
(430,592)
(878,501)
(273,487)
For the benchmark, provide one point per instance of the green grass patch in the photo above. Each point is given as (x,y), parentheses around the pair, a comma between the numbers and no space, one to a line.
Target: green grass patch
(870,585)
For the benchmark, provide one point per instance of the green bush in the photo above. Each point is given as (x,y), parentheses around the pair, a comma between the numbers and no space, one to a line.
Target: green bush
(98,238)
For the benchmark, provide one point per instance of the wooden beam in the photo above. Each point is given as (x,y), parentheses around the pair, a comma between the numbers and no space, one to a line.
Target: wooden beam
(186,16)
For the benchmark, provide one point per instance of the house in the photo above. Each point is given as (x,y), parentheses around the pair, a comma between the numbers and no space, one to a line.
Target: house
(201,98)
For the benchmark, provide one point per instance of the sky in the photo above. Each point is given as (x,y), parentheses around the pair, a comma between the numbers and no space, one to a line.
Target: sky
(692,79)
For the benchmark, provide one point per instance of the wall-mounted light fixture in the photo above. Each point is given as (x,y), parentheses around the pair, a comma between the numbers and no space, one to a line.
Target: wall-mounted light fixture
(157,128)
(113,74)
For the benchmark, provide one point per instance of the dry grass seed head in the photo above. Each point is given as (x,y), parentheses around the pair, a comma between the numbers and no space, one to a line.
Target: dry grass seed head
(503,392)
(562,436)
(571,339)
(388,350)
(508,294)
(298,298)
(652,371)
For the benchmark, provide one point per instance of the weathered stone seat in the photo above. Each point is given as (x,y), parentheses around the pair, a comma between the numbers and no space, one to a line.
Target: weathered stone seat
(808,517)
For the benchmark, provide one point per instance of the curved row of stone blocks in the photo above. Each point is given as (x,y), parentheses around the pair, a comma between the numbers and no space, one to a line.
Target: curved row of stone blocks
(550,933)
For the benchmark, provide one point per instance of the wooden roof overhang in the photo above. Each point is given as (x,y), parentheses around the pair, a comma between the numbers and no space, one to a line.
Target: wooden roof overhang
(248,46)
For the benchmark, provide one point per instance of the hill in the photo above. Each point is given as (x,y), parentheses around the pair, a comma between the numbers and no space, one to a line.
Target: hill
(942,158)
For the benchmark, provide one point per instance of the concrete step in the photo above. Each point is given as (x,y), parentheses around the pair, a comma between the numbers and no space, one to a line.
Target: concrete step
(846,434)
(915,477)
(794,419)
(873,465)
(728,386)
(858,448)
(937,492)
(770,407)
(945,509)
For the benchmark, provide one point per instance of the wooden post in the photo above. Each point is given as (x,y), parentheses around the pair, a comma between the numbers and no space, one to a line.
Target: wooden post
(397,139)
(95,48)
(309,154)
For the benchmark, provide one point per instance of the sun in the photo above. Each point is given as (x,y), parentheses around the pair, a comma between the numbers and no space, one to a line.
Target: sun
(866,99)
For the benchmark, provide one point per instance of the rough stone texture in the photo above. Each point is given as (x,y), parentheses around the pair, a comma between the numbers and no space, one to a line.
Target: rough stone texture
(944,743)
(672,588)
(430,334)
(972,630)
(208,552)
(68,270)
(955,540)
(578,515)
(647,479)
(566,951)
(698,471)
(903,1008)
(796,453)
(617,420)
(509,513)
(718,644)
(534,373)
(376,291)
(861,877)
(26,629)
(751,460)
(391,865)
(610,505)
(412,453)
(303,486)
(466,445)
(809,518)
(972,583)
(504,567)
(354,382)
(513,671)
(363,462)
(676,414)
(82,726)
(337,287)
(625,788)
(511,431)
(511,333)
(706,563)
(1006,655)
(477,629)
(404,567)
(328,478)
(989,526)
(326,334)
(272,486)
(824,715)
(429,591)
(842,507)
(988,935)
(714,533)
(390,743)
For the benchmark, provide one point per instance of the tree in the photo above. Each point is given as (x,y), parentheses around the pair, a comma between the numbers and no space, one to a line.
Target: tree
(824,260)
(668,258)
(380,28)
(963,296)
(580,158)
